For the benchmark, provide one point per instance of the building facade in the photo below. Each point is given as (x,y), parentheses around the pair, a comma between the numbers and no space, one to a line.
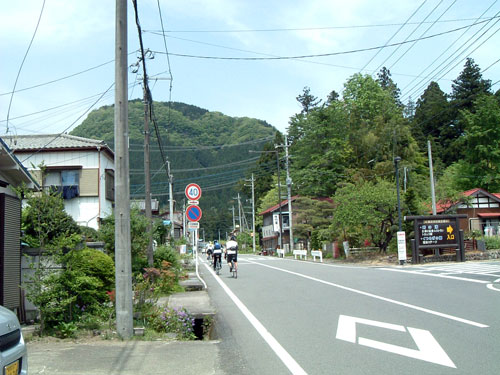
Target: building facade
(81,169)
(12,175)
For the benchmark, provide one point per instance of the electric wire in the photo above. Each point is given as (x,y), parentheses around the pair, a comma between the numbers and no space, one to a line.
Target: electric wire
(446,50)
(425,32)
(408,37)
(422,83)
(324,54)
(69,127)
(304,28)
(22,64)
(393,35)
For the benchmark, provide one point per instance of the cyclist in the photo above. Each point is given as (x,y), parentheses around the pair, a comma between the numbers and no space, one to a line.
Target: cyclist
(210,250)
(232,253)
(217,252)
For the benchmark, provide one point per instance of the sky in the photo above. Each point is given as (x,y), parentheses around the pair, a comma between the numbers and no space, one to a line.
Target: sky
(64,67)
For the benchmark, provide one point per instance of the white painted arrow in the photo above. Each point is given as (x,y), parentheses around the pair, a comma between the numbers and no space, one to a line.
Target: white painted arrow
(428,348)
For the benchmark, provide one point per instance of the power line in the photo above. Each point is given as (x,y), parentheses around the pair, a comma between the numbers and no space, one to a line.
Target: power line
(22,64)
(325,54)
(69,127)
(425,32)
(393,35)
(304,28)
(417,87)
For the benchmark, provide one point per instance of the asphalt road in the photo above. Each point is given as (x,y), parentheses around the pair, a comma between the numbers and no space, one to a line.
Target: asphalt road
(283,316)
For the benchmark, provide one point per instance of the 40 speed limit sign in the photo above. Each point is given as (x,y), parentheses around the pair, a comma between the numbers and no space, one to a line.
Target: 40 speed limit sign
(193,192)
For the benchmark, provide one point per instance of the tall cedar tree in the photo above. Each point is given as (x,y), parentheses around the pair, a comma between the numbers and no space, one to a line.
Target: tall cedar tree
(432,118)
(465,90)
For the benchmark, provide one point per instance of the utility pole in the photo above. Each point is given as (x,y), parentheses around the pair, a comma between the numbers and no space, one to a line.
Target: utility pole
(239,212)
(184,218)
(280,239)
(147,171)
(234,223)
(289,196)
(171,202)
(123,258)
(397,159)
(433,193)
(253,215)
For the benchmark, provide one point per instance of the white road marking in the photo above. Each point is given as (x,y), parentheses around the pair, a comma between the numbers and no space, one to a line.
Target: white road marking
(428,350)
(490,286)
(282,354)
(435,275)
(408,305)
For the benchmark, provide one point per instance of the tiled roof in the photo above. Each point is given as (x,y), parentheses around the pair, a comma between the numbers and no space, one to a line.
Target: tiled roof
(50,142)
(277,206)
(443,206)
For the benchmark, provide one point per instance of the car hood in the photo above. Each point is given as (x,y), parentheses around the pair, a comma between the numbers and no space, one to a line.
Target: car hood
(8,321)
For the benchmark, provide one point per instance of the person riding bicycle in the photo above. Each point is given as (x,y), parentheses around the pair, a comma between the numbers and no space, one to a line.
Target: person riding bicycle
(210,250)
(217,252)
(232,253)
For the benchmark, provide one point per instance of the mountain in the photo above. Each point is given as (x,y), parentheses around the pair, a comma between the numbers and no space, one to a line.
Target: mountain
(207,148)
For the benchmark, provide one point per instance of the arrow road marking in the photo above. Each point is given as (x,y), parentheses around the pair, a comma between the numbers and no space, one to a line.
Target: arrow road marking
(428,350)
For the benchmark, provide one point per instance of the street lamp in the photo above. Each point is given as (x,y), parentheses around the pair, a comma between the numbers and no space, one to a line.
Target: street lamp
(279,189)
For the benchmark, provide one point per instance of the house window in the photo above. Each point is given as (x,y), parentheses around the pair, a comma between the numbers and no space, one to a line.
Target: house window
(110,185)
(65,182)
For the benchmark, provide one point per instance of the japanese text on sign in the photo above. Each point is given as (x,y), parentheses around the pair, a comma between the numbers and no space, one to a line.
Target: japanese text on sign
(437,233)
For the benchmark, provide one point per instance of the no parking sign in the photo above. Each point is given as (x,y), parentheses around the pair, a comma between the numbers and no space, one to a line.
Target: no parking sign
(193,213)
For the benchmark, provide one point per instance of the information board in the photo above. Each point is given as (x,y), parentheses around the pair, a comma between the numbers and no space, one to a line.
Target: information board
(438,232)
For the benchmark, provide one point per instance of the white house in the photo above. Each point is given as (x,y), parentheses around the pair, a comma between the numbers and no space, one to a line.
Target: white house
(82,169)
(12,174)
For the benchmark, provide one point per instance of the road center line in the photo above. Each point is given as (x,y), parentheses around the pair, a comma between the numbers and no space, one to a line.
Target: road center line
(282,354)
(414,307)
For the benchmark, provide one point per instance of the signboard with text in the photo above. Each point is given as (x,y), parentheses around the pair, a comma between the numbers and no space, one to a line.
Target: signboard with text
(437,232)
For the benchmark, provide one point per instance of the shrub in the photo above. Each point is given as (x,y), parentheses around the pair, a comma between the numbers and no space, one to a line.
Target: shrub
(174,320)
(492,242)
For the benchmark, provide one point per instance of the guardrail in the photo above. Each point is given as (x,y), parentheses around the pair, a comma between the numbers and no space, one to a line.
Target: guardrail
(300,253)
(317,253)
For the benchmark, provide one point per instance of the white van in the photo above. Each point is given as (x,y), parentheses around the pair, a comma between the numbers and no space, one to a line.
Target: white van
(13,353)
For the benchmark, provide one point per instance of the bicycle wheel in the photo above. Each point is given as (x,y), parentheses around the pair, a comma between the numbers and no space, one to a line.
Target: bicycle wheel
(217,267)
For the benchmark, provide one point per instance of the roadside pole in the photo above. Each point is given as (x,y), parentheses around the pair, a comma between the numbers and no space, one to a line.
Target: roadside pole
(123,258)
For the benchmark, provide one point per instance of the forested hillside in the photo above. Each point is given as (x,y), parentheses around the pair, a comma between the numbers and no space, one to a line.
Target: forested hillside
(208,148)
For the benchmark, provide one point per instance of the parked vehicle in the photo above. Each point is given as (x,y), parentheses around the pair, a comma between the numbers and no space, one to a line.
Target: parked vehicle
(13,353)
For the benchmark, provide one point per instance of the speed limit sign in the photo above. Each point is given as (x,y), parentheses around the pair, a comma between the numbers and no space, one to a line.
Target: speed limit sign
(193,192)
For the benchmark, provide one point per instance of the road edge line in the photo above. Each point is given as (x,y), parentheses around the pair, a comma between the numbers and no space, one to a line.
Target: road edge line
(282,354)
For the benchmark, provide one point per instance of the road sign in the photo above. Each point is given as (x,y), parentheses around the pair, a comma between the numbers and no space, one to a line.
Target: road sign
(402,246)
(428,349)
(193,203)
(193,225)
(193,213)
(193,191)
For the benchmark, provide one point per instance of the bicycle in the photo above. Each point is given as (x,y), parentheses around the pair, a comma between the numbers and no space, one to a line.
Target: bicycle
(233,269)
(218,266)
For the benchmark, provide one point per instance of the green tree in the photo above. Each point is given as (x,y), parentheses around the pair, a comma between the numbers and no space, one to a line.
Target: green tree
(481,164)
(312,219)
(384,78)
(307,100)
(468,86)
(432,118)
(320,156)
(368,210)
(138,238)
(44,219)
